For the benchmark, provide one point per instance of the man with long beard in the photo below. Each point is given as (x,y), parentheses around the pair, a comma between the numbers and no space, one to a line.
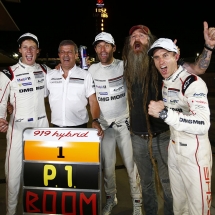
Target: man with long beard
(150,136)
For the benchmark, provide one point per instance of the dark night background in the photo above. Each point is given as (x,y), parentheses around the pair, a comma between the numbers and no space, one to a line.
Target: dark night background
(56,20)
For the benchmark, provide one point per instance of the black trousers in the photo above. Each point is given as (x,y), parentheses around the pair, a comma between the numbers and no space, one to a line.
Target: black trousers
(77,126)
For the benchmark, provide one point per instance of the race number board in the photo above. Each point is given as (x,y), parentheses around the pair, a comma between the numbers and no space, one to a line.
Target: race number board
(61,171)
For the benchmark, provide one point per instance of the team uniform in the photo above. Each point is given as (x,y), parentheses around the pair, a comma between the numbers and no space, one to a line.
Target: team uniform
(24,86)
(189,152)
(114,118)
(68,97)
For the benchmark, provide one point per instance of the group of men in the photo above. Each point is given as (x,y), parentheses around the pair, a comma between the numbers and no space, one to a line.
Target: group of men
(119,94)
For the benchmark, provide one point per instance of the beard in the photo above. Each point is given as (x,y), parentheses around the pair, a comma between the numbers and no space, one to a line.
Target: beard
(137,64)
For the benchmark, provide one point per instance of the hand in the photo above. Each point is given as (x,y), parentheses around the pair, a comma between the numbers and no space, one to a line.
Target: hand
(96,125)
(9,108)
(209,35)
(3,125)
(155,107)
(175,41)
(58,66)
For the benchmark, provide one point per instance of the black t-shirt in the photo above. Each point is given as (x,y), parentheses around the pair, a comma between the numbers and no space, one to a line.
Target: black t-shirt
(138,117)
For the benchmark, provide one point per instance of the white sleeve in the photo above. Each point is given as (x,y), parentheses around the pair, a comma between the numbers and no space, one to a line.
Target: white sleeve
(89,85)
(4,94)
(46,92)
(198,119)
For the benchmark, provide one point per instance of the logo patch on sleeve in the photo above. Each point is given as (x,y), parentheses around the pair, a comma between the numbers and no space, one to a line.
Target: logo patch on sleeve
(188,81)
(8,73)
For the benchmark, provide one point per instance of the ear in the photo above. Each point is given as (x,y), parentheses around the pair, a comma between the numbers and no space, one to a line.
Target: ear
(20,51)
(114,48)
(76,56)
(177,56)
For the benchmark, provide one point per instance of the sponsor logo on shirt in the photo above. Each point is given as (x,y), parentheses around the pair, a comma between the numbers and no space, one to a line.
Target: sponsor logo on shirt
(39,88)
(190,121)
(182,144)
(55,82)
(26,84)
(19,120)
(56,78)
(199,95)
(23,79)
(103,93)
(40,81)
(41,117)
(6,72)
(101,86)
(177,109)
(172,92)
(189,80)
(199,107)
(38,74)
(118,89)
(30,119)
(174,101)
(26,90)
(202,102)
(104,99)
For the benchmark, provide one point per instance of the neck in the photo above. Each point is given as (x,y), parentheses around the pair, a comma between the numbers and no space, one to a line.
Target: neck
(66,71)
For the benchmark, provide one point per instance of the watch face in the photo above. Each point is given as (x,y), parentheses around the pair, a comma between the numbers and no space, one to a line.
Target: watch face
(163,114)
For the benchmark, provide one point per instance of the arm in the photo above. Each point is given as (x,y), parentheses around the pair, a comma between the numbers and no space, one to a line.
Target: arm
(197,121)
(201,64)
(4,94)
(95,112)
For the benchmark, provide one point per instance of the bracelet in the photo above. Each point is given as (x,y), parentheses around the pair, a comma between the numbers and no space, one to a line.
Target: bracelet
(208,48)
(96,120)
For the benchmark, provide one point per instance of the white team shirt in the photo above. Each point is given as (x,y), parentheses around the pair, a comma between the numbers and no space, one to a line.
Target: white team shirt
(68,97)
(110,91)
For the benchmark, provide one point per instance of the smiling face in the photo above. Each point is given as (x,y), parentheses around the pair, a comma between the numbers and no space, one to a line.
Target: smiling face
(165,61)
(138,39)
(67,56)
(105,52)
(29,51)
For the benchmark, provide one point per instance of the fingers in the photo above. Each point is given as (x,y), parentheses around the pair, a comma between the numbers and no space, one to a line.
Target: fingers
(100,133)
(211,33)
(3,125)
(3,128)
(97,126)
(175,41)
(205,24)
(9,108)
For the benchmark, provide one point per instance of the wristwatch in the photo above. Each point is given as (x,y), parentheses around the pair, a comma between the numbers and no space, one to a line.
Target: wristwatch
(96,120)
(163,114)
